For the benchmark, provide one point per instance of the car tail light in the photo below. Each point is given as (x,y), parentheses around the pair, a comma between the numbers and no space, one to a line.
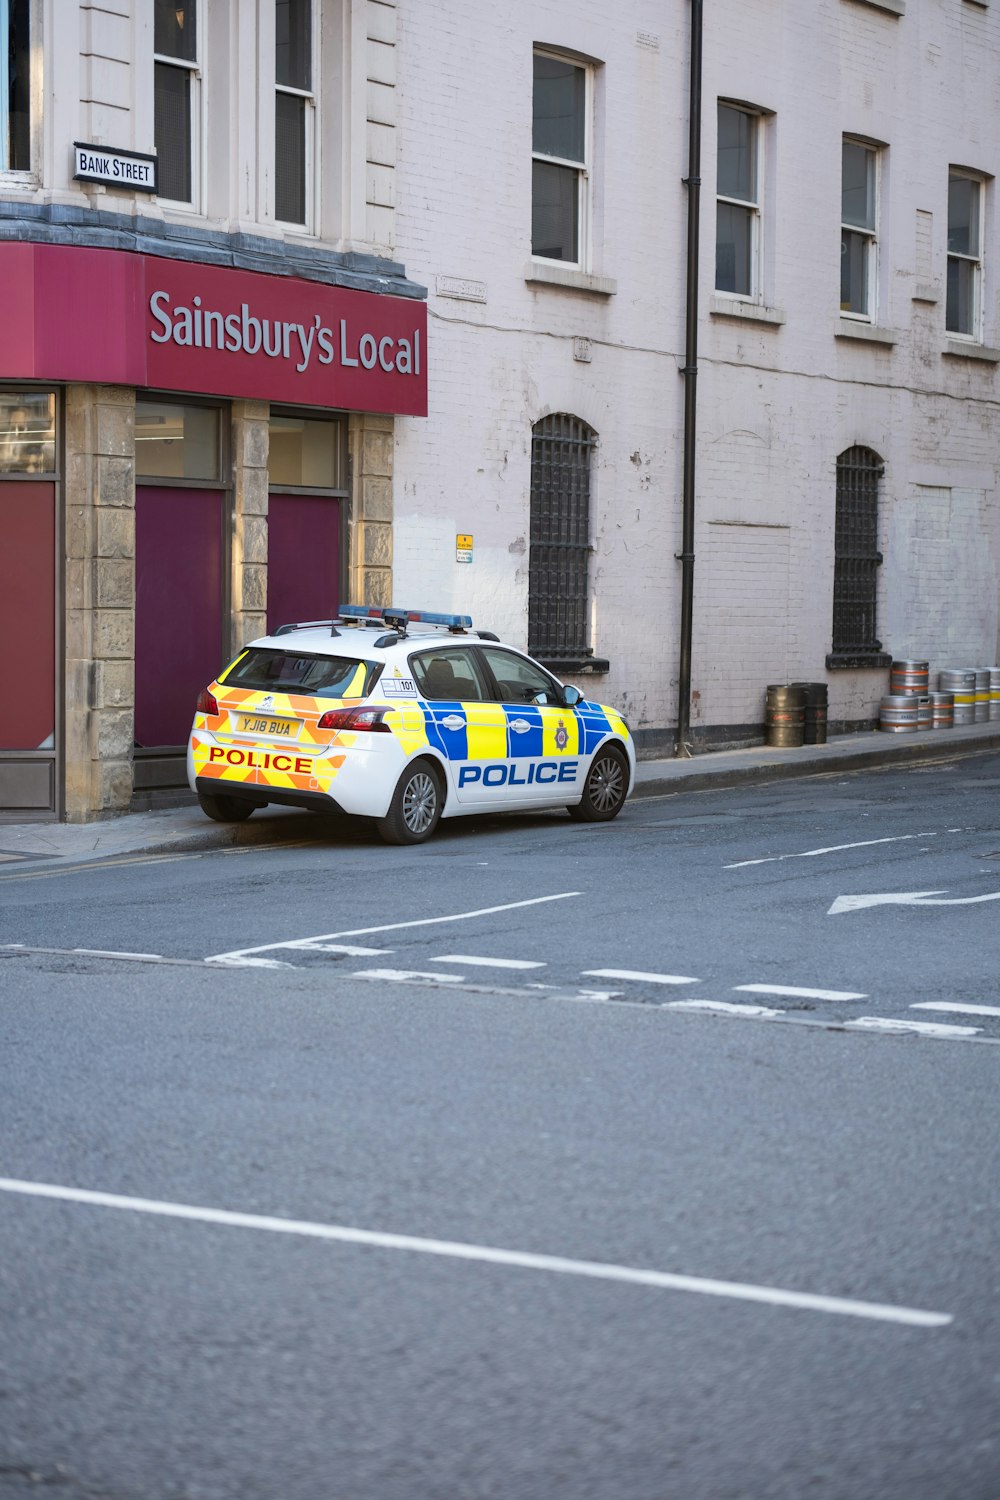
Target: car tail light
(365,720)
(206,703)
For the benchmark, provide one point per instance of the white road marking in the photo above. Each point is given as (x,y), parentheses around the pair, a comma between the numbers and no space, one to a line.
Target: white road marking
(14,949)
(724,1008)
(833,849)
(489,963)
(599,994)
(906,898)
(794,991)
(400,976)
(640,975)
(350,950)
(919,1028)
(485,1254)
(462,916)
(961,1010)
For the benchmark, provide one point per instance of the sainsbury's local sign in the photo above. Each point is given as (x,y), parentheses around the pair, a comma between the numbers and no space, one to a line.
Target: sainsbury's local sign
(120,318)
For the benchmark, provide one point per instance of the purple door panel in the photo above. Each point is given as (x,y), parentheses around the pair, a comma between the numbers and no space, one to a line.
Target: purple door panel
(178,609)
(303,558)
(27,614)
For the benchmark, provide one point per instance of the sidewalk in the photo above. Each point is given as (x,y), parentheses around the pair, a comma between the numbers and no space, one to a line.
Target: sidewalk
(187,828)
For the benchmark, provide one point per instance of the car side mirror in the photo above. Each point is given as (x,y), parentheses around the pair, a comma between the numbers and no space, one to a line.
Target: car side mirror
(571,695)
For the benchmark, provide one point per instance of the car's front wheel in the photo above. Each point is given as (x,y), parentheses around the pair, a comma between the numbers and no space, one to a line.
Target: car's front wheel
(225,809)
(416,805)
(605,788)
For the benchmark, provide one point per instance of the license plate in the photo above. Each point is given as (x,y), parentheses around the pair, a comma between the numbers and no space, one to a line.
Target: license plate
(279,729)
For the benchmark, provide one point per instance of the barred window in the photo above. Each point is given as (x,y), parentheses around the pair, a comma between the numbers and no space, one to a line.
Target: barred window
(856,561)
(559,559)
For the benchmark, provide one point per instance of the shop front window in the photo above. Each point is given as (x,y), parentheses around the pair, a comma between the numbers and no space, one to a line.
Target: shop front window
(27,432)
(176,442)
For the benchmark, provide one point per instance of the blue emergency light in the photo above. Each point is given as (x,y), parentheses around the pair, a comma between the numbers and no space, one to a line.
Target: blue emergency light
(400,618)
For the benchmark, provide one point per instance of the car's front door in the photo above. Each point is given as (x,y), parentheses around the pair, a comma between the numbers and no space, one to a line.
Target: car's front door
(543,735)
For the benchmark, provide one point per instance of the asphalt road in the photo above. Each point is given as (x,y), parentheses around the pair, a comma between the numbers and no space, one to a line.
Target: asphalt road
(532,1196)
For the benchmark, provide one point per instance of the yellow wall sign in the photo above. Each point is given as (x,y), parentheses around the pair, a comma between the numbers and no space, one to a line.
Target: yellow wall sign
(463,548)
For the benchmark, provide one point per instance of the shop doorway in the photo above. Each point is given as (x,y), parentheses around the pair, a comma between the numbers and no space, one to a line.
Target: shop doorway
(178,609)
(307,468)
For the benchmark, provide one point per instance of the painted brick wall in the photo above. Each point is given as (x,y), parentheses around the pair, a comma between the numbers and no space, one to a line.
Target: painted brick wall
(778,400)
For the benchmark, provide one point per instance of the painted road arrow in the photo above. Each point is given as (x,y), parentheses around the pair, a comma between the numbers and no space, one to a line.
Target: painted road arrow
(906,898)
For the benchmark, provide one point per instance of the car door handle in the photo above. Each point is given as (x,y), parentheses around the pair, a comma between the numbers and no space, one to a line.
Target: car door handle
(453,721)
(520,726)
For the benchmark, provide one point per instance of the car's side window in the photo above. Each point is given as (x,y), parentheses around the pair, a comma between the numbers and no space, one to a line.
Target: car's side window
(518,680)
(451,676)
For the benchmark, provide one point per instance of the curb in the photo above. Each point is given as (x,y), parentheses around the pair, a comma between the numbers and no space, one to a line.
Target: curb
(893,754)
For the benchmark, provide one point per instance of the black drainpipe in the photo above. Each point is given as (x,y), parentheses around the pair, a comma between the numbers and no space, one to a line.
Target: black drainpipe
(686,555)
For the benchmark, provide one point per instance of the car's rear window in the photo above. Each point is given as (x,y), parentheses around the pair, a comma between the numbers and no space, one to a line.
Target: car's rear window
(267,670)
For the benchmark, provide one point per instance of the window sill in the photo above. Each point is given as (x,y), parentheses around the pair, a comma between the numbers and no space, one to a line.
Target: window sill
(926,291)
(894,7)
(953,349)
(747,312)
(865,333)
(577,281)
(576,666)
(846,661)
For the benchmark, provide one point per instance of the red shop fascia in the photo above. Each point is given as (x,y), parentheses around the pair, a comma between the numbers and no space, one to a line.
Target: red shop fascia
(114,317)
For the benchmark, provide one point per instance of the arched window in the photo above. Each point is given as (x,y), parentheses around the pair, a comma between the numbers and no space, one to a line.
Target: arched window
(559,559)
(857,559)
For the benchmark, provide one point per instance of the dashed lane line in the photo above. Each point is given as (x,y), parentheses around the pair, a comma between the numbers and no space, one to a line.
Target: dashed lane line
(560,1265)
(725,1008)
(404,976)
(956,1009)
(488,963)
(639,975)
(795,992)
(918,1028)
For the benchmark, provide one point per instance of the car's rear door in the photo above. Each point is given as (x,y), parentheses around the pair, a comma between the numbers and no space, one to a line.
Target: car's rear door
(463,721)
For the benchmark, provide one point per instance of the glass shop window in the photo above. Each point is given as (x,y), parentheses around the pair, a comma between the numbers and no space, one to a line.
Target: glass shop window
(177,442)
(27,432)
(306,453)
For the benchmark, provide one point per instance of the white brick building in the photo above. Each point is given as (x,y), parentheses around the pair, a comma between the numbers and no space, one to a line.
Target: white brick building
(897,95)
(218,219)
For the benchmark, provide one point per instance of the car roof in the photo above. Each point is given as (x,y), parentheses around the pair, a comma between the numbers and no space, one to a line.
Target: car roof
(363,643)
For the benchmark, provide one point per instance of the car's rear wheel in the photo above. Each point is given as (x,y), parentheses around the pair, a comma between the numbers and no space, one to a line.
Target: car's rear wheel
(225,809)
(415,808)
(605,788)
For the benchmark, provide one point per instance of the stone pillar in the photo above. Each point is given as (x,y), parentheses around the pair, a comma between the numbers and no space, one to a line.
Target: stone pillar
(248,617)
(371,446)
(100,600)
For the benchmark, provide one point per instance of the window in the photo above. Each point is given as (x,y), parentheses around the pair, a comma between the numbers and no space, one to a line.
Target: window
(858,211)
(965,254)
(176,442)
(520,681)
(856,560)
(294,111)
(559,168)
(737,218)
(175,97)
(15,87)
(559,555)
(266,670)
(449,676)
(27,432)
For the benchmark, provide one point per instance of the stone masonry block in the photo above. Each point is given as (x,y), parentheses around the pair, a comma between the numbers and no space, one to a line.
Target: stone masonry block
(114,583)
(79,520)
(79,678)
(377,546)
(376,499)
(114,684)
(376,453)
(252,450)
(378,587)
(254,587)
(115,481)
(115,431)
(251,492)
(115,532)
(79,579)
(113,732)
(114,634)
(254,530)
(114,786)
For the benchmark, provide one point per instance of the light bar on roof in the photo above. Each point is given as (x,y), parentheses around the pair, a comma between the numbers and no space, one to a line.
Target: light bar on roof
(412,616)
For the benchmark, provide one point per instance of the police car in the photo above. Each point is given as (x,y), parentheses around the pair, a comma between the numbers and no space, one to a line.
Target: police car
(406,717)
